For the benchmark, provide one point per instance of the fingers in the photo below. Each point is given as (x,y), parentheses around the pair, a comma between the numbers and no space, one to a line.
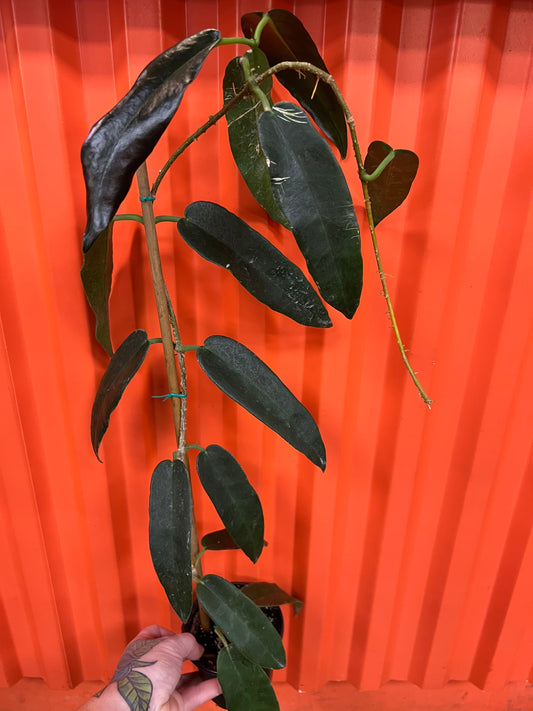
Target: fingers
(187,647)
(195,695)
(180,646)
(154,632)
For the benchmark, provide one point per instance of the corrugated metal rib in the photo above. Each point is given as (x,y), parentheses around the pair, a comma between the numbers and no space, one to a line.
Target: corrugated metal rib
(414,551)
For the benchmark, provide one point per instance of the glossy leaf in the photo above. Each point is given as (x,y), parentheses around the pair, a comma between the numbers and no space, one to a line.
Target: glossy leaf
(390,189)
(285,38)
(249,381)
(310,187)
(124,363)
(223,238)
(122,139)
(268,594)
(243,132)
(241,621)
(245,685)
(233,497)
(170,533)
(96,274)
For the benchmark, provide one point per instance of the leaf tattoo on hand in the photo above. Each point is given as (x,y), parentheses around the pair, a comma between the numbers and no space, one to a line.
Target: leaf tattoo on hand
(136,690)
(134,686)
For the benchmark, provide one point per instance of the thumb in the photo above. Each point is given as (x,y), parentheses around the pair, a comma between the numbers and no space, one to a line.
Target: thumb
(197,695)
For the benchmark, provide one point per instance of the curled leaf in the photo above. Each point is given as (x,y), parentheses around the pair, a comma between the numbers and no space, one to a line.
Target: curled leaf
(122,139)
(124,363)
(96,274)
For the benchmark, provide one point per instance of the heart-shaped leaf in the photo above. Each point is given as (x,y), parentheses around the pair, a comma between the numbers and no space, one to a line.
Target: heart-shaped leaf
(223,238)
(233,497)
(268,594)
(245,685)
(283,39)
(390,189)
(243,132)
(96,274)
(310,187)
(241,621)
(120,141)
(250,382)
(123,365)
(170,533)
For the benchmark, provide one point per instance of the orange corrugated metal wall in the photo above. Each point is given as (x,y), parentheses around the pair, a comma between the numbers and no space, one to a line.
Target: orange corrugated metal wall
(414,551)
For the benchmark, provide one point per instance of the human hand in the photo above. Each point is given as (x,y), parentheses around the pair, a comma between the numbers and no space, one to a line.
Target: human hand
(148,676)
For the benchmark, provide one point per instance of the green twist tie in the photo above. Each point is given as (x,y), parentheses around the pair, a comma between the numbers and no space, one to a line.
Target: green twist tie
(168,395)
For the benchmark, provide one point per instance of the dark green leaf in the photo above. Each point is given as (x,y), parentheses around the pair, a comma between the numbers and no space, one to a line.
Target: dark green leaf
(249,381)
(308,183)
(223,238)
(284,39)
(170,533)
(136,690)
(390,189)
(243,133)
(96,274)
(120,141)
(268,594)
(241,621)
(233,497)
(245,685)
(219,541)
(124,363)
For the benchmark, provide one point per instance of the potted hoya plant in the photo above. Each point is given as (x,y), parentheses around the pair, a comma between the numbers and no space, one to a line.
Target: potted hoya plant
(286,154)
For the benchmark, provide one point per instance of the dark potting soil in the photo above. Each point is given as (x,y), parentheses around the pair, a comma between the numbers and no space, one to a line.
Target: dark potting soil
(212,643)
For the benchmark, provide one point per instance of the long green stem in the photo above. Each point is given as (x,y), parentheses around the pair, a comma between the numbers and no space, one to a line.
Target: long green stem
(328,79)
(369,177)
(128,217)
(212,120)
(248,75)
(363,175)
(236,40)
(251,86)
(263,22)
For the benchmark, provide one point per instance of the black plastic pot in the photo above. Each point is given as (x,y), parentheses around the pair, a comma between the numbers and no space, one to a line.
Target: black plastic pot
(207,664)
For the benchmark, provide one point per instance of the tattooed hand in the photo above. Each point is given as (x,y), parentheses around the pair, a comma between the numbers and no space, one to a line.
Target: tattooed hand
(148,676)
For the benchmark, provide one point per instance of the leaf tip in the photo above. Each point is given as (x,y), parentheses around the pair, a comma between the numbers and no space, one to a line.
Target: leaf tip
(96,450)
